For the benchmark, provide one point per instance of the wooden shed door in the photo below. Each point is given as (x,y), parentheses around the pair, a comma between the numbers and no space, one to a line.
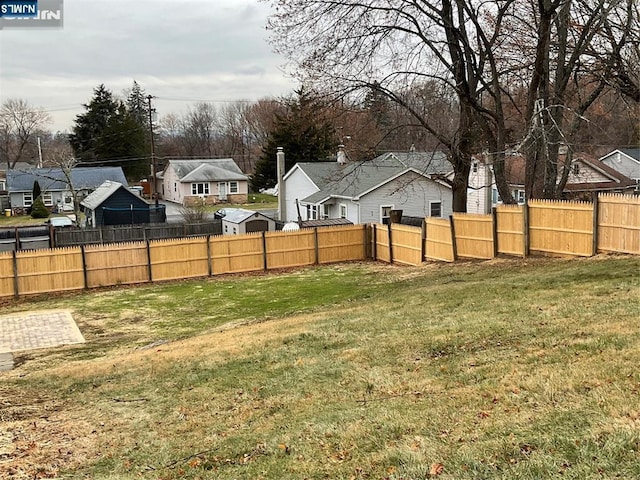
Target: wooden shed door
(257,226)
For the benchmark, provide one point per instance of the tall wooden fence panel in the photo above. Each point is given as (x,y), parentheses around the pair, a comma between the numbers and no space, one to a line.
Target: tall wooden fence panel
(6,275)
(52,270)
(180,258)
(237,253)
(341,244)
(290,249)
(560,227)
(117,263)
(381,243)
(510,229)
(439,240)
(407,244)
(474,235)
(619,224)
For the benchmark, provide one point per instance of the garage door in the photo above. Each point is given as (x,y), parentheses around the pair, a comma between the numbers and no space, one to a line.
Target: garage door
(257,226)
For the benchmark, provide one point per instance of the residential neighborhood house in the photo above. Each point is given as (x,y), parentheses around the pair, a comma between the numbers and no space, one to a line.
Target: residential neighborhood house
(56,191)
(366,192)
(586,177)
(627,162)
(114,204)
(203,181)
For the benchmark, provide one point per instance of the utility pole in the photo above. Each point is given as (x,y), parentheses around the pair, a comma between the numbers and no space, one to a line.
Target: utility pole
(154,166)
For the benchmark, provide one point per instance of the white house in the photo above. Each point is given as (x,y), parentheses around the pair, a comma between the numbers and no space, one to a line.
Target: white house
(626,161)
(205,181)
(365,192)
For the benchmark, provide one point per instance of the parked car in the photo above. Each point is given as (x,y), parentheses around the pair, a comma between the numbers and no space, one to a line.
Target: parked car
(220,214)
(60,222)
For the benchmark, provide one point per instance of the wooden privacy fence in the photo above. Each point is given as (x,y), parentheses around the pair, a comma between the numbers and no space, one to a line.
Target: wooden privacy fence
(565,228)
(439,241)
(474,236)
(76,268)
(610,224)
(618,224)
(510,230)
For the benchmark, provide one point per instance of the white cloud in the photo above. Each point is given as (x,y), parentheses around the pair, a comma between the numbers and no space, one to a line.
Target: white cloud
(192,50)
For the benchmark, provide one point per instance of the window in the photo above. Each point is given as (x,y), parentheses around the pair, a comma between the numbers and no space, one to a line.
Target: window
(233,187)
(314,212)
(519,196)
(2,185)
(175,187)
(385,213)
(576,168)
(343,210)
(27,199)
(47,198)
(199,189)
(326,210)
(475,167)
(495,197)
(435,209)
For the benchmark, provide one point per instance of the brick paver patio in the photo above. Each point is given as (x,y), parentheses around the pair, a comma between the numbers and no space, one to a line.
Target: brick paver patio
(38,329)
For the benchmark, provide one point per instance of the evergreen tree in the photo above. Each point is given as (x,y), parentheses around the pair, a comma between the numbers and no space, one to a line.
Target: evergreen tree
(304,135)
(137,105)
(37,191)
(38,210)
(90,126)
(113,133)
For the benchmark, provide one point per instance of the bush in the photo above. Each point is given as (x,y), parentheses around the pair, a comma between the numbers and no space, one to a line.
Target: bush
(38,210)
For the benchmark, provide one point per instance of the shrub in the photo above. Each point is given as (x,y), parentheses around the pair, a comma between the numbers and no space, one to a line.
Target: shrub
(38,210)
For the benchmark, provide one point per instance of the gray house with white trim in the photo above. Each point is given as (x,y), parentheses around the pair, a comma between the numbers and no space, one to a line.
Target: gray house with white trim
(626,161)
(365,192)
(203,181)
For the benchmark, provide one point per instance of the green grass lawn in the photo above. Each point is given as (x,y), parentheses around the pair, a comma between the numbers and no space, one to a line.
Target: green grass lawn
(256,201)
(506,369)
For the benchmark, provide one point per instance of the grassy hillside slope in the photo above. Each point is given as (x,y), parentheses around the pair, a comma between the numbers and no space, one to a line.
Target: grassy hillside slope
(502,369)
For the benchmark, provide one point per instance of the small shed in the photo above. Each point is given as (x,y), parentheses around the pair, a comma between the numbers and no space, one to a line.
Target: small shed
(114,204)
(239,221)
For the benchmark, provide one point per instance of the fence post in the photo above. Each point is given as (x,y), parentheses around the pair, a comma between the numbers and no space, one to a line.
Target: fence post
(596,213)
(317,247)
(15,274)
(494,226)
(374,249)
(149,261)
(209,259)
(18,246)
(423,240)
(52,239)
(525,228)
(454,244)
(390,242)
(84,267)
(264,250)
(366,239)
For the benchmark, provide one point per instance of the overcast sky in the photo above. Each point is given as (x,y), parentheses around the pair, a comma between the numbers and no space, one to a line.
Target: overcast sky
(181,51)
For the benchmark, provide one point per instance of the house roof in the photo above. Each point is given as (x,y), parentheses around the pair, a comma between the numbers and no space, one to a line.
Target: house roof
(239,215)
(632,152)
(103,192)
(515,174)
(358,178)
(223,169)
(53,179)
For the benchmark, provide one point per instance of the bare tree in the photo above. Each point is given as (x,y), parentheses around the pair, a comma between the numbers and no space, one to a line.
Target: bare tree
(19,124)
(479,52)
